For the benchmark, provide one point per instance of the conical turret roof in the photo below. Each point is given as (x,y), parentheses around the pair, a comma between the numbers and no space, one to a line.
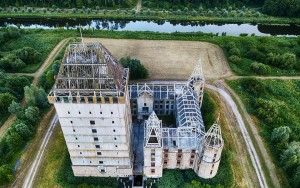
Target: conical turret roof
(213,137)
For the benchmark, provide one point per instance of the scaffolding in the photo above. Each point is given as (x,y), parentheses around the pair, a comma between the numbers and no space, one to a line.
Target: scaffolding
(88,69)
(213,137)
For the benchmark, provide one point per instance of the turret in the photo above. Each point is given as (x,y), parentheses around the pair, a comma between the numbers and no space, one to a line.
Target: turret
(153,149)
(196,81)
(209,159)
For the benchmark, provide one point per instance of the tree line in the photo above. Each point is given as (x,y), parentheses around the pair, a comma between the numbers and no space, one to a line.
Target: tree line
(69,3)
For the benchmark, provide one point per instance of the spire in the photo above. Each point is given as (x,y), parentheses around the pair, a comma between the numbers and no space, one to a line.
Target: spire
(196,81)
(153,131)
(213,137)
(197,72)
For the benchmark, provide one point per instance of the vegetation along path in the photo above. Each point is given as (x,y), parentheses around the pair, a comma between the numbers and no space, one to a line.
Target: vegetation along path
(36,77)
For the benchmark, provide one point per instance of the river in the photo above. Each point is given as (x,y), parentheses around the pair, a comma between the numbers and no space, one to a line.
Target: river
(156,26)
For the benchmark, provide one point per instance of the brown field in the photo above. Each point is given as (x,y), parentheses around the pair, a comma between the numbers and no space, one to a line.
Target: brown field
(170,60)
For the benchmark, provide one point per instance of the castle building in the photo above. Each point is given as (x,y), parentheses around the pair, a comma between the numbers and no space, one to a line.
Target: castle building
(95,105)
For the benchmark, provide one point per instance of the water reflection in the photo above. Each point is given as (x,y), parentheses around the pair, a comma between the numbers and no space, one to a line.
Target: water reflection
(155,26)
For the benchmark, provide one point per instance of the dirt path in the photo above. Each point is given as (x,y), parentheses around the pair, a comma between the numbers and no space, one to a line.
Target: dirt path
(243,171)
(265,77)
(36,77)
(28,182)
(264,157)
(138,7)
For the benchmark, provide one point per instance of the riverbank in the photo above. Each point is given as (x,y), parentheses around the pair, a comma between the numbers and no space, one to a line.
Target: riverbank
(159,15)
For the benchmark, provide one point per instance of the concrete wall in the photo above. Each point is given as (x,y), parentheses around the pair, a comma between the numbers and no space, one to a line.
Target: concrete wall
(112,171)
(177,159)
(144,100)
(208,163)
(156,159)
(97,135)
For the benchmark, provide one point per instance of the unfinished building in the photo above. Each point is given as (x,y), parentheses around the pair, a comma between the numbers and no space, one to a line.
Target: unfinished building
(95,106)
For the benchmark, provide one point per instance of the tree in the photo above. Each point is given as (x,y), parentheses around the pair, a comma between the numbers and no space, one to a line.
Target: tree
(171,179)
(16,108)
(23,130)
(281,134)
(32,114)
(28,55)
(290,158)
(16,84)
(260,68)
(35,96)
(5,100)
(6,174)
(136,69)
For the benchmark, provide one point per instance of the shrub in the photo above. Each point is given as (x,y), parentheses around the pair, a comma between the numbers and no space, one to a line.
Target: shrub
(5,100)
(286,60)
(11,63)
(260,68)
(234,59)
(136,69)
(234,51)
(28,55)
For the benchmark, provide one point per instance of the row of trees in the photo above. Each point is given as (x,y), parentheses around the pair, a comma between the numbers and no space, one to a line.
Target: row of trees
(22,130)
(68,3)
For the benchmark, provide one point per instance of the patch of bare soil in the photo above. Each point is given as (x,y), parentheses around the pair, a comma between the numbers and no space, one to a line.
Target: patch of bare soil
(170,60)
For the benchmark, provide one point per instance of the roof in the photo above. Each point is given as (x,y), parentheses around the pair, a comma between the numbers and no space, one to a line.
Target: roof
(89,68)
(213,137)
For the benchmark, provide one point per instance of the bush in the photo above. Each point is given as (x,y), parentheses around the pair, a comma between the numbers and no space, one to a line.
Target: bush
(136,69)
(260,68)
(28,55)
(286,60)
(5,100)
(234,59)
(11,63)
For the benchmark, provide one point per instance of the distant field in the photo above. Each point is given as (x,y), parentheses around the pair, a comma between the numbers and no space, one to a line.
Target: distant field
(172,60)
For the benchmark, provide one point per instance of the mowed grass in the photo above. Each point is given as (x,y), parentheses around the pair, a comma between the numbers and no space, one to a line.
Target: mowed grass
(52,160)
(43,42)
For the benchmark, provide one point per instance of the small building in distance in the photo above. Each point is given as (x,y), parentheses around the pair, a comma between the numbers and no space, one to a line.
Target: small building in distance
(95,105)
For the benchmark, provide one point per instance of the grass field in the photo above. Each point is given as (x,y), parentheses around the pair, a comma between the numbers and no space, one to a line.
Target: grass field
(273,104)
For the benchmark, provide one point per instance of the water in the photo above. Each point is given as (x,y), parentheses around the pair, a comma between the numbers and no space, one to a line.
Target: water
(155,26)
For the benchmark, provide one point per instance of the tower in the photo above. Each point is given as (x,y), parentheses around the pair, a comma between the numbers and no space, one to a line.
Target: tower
(153,149)
(197,81)
(209,159)
(91,99)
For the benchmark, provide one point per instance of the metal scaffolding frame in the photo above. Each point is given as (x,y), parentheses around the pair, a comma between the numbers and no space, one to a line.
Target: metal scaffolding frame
(89,69)
(153,128)
(213,137)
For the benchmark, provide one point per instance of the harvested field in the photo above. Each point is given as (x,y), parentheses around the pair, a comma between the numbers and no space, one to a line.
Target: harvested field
(170,60)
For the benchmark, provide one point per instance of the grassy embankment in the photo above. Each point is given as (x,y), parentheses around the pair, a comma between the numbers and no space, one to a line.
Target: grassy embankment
(209,15)
(274,104)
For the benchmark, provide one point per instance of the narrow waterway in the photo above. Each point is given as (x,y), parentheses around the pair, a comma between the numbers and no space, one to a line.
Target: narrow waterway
(156,26)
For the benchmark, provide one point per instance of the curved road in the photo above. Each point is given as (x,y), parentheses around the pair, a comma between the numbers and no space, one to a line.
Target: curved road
(249,144)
